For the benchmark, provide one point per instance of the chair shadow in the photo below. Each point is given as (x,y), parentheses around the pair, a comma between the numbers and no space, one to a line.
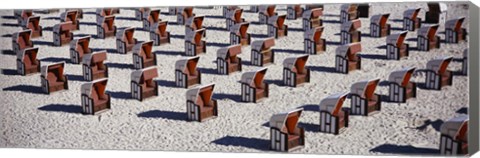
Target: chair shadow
(323,69)
(109,50)
(275,82)
(7,35)
(61,108)
(332,21)
(216,28)
(214,17)
(221,96)
(463,110)
(310,107)
(10,25)
(9,17)
(74,77)
(310,127)
(9,72)
(207,70)
(93,13)
(177,36)
(396,20)
(404,149)
(435,124)
(48,28)
(396,28)
(126,18)
(120,95)
(331,15)
(119,65)
(253,143)
(213,44)
(258,35)
(166,83)
(55,59)
(170,115)
(88,23)
(8,52)
(373,56)
(382,47)
(172,53)
(25,89)
(332,43)
(289,51)
(412,39)
(83,35)
(44,43)
(296,29)
(51,18)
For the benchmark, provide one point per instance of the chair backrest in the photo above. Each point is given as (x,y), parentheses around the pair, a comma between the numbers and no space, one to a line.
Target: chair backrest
(265,44)
(30,55)
(23,39)
(352,25)
(314,34)
(380,19)
(401,77)
(128,35)
(286,121)
(277,20)
(188,11)
(34,23)
(109,22)
(455,24)
(397,39)
(411,13)
(71,15)
(333,103)
(428,31)
(54,71)
(82,44)
(154,15)
(296,64)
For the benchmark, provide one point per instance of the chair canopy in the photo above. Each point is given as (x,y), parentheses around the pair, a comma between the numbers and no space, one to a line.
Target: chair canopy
(439,65)
(240,29)
(107,20)
(314,34)
(202,93)
(230,51)
(96,87)
(456,127)
(160,28)
(81,42)
(195,36)
(297,63)
(254,78)
(188,65)
(267,9)
(63,27)
(69,15)
(94,58)
(53,69)
(126,35)
(186,10)
(22,37)
(153,14)
(380,19)
(277,20)
(264,44)
(351,25)
(348,50)
(455,24)
(397,39)
(428,31)
(401,77)
(28,55)
(312,13)
(195,22)
(333,103)
(140,76)
(33,22)
(365,89)
(286,121)
(144,49)
(411,13)
(235,14)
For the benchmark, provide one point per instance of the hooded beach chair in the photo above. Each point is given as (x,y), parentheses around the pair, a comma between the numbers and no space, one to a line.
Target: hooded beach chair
(454,136)
(396,46)
(465,62)
(348,12)
(438,75)
(186,72)
(143,56)
(285,135)
(347,58)
(294,71)
(312,18)
(363,10)
(239,35)
(200,104)
(265,12)
(159,34)
(294,11)
(21,40)
(194,45)
(276,26)
(262,52)
(226,9)
(437,13)
(194,23)
(33,23)
(400,86)
(314,43)
(183,13)
(27,62)
(94,98)
(234,17)
(22,16)
(427,38)
(411,21)
(53,78)
(350,32)
(62,33)
(140,12)
(333,118)
(78,48)
(106,27)
(93,66)
(71,15)
(125,40)
(228,60)
(364,101)
(100,12)
(150,17)
(253,87)
(143,86)
(379,26)
(454,32)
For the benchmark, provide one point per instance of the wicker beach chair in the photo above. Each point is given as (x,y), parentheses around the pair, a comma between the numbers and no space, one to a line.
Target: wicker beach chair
(294,71)
(94,98)
(254,89)
(285,135)
(200,104)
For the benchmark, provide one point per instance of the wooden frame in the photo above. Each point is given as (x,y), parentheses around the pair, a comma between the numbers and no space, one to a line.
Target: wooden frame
(379,26)
(350,32)
(262,52)
(265,12)
(125,40)
(333,118)
(71,15)
(94,98)
(348,12)
(151,17)
(454,136)
(186,73)
(239,35)
(313,43)
(53,78)
(200,104)
(437,13)
(276,26)
(454,32)
(143,56)
(347,58)
(364,101)
(33,23)
(106,27)
(294,11)
(427,38)
(27,62)
(396,46)
(295,72)
(228,60)
(437,74)
(195,23)
(411,21)
(312,18)
(194,45)
(159,33)
(284,134)
(62,33)
(93,66)
(21,40)
(142,85)
(234,17)
(78,48)
(183,13)
(254,89)
(400,86)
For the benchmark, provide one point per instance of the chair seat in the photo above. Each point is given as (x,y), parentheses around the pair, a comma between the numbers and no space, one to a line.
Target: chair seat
(54,84)
(206,109)
(101,102)
(293,137)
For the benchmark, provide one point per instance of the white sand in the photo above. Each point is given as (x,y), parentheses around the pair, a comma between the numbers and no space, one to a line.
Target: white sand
(34,120)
